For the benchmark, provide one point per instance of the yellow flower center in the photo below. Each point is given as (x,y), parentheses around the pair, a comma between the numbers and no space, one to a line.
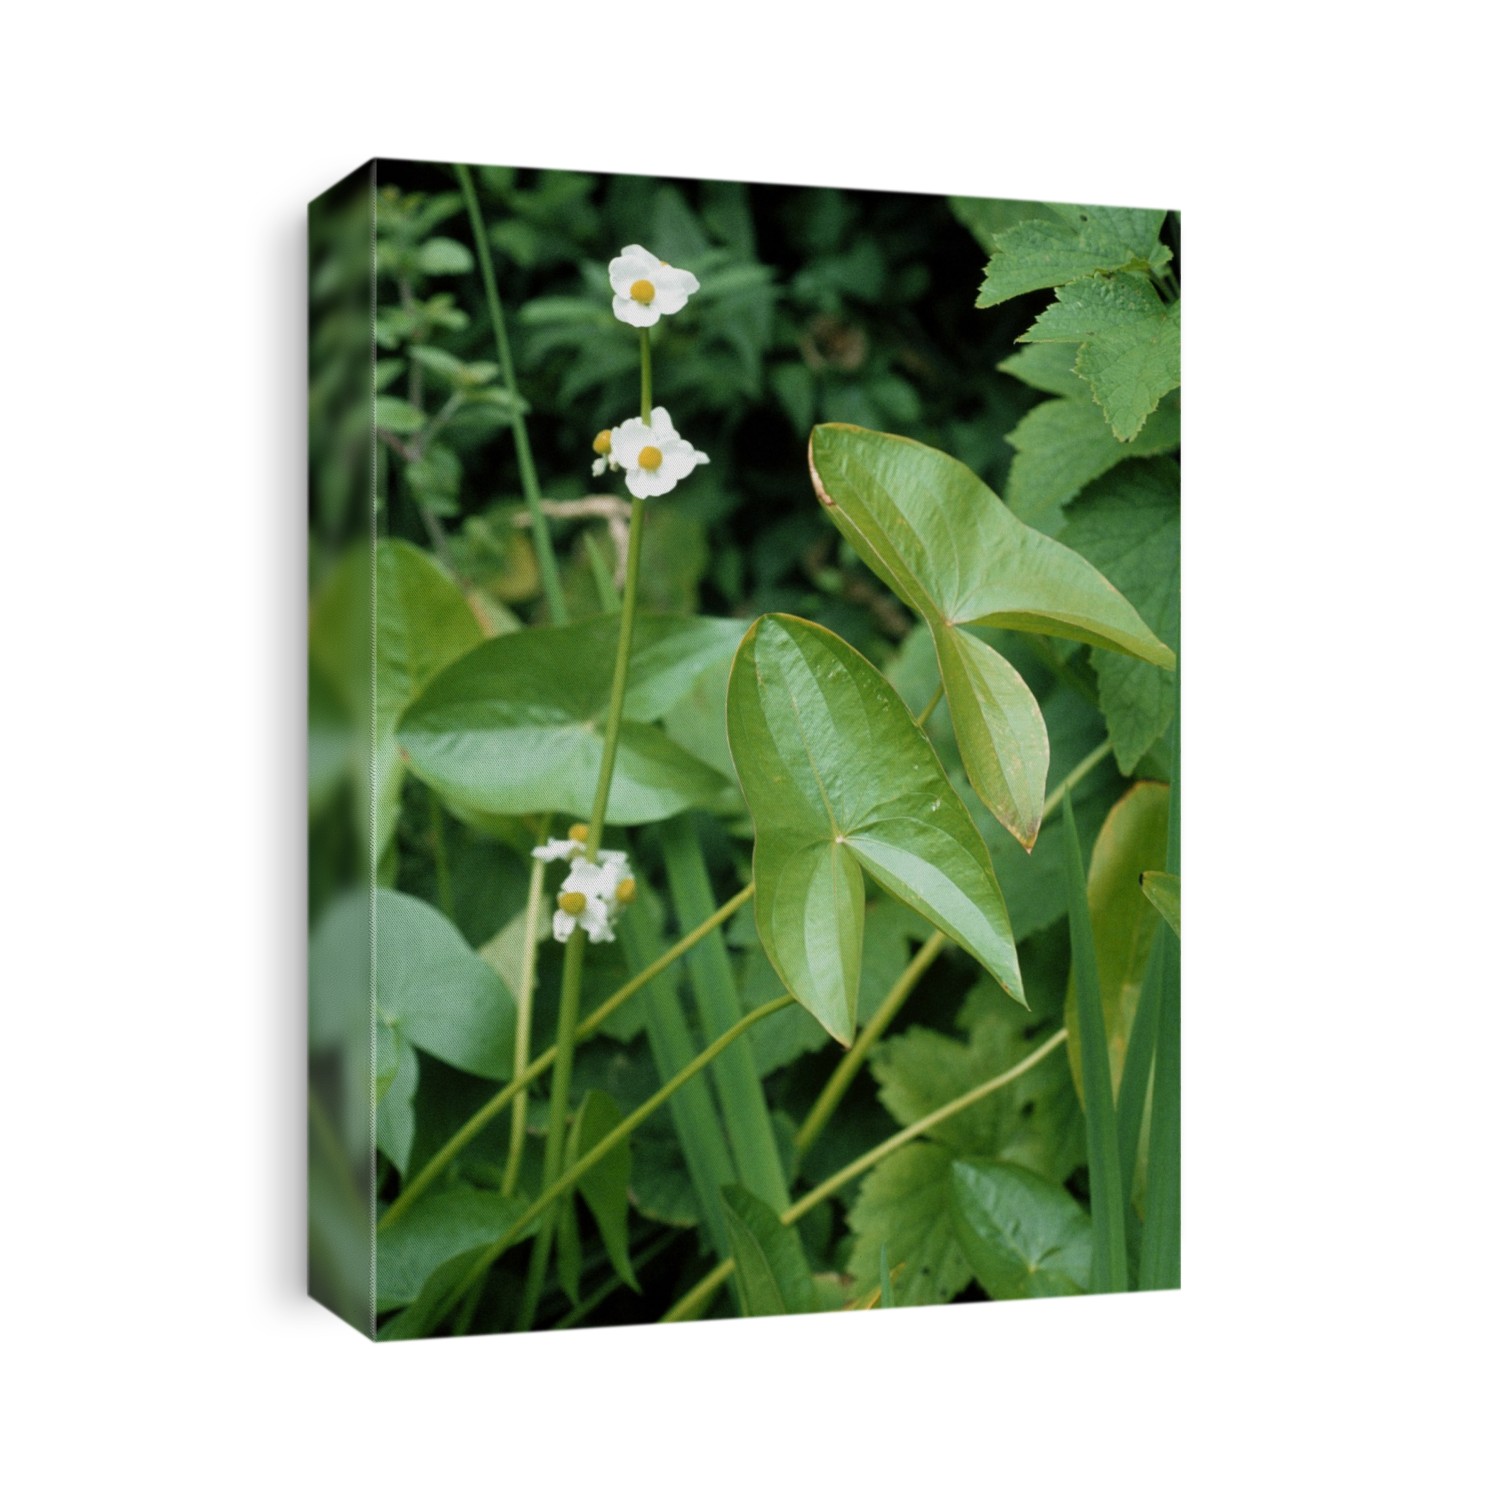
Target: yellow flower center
(641,291)
(650,457)
(579,833)
(601,443)
(572,902)
(625,891)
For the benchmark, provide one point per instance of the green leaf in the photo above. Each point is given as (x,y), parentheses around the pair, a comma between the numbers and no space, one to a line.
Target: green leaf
(1024,1236)
(1084,240)
(1047,367)
(1106,1190)
(396,1074)
(435,992)
(517,725)
(798,698)
(987,218)
(396,415)
(401,606)
(903,1208)
(1129,529)
(1164,892)
(769,1264)
(1129,344)
(1062,445)
(436,1228)
(1133,838)
(444,257)
(606,1186)
(949,547)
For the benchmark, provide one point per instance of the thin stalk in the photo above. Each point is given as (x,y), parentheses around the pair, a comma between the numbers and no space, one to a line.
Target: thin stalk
(586,1027)
(646,375)
(932,704)
(440,855)
(607,1143)
(530,930)
(557,609)
(851,1062)
(698,1298)
(607,1288)
(1066,785)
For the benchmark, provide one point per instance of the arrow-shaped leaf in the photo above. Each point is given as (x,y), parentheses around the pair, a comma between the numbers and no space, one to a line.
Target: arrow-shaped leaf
(950,548)
(841,781)
(517,724)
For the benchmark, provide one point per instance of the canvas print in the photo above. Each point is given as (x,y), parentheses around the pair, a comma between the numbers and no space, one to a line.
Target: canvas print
(743,750)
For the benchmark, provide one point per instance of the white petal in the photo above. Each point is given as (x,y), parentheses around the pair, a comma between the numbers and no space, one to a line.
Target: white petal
(675,281)
(634,263)
(598,467)
(563,925)
(613,857)
(627,440)
(557,849)
(661,423)
(644,484)
(637,314)
(677,460)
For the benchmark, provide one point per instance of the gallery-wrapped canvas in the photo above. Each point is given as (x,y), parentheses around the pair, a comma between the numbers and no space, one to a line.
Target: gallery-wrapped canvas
(742,719)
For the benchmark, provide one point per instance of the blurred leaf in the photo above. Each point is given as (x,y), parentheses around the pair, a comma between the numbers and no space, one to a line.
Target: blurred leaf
(795,694)
(902,1211)
(1024,1236)
(396,415)
(517,725)
(1128,344)
(1164,892)
(1127,526)
(769,1264)
(606,1186)
(985,218)
(444,257)
(434,1229)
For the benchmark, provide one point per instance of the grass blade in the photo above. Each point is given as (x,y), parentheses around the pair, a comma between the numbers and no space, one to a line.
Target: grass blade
(1106,1187)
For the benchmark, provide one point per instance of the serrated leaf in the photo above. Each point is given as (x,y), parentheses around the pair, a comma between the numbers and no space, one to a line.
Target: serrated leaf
(1063,445)
(1164,892)
(1128,527)
(517,725)
(1047,367)
(1024,1236)
(950,548)
(798,698)
(1129,344)
(436,1228)
(902,1209)
(769,1263)
(605,1187)
(1045,252)
(1133,839)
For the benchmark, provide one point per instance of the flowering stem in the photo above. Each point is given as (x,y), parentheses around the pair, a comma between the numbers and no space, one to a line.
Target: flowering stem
(534,895)
(699,1297)
(843,1075)
(932,703)
(646,375)
(548,1197)
(590,1024)
(557,608)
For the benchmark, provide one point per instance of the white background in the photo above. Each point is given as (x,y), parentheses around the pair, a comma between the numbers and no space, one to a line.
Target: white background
(1337,1329)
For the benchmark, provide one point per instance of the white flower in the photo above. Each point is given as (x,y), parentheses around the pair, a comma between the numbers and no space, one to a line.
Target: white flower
(591,897)
(646,287)
(653,456)
(574,847)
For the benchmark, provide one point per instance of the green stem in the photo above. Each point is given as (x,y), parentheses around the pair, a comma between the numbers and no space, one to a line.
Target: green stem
(534,893)
(843,1075)
(646,375)
(557,609)
(617,688)
(607,1143)
(590,1024)
(440,855)
(932,704)
(699,1297)
(1066,785)
(613,1283)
